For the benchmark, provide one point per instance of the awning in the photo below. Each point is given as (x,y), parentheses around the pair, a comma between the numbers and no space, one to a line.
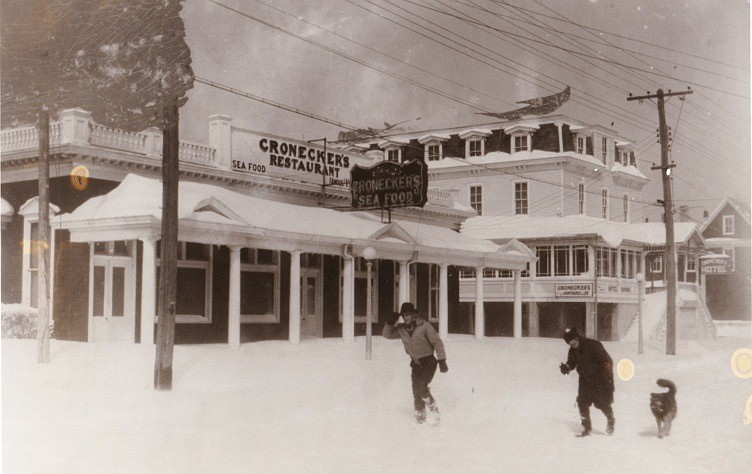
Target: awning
(214,215)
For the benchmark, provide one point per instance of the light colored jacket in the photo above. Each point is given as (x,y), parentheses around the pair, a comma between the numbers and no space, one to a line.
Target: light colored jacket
(423,341)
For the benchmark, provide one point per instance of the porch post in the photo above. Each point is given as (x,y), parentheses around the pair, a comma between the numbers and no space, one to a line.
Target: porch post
(348,301)
(480,322)
(233,306)
(443,301)
(295,297)
(148,289)
(404,283)
(517,304)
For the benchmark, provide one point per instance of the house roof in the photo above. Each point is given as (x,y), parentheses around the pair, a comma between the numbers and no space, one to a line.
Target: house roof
(741,208)
(547,227)
(212,214)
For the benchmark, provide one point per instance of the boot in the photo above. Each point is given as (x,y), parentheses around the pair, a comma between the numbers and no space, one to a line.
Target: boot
(610,424)
(420,416)
(587,426)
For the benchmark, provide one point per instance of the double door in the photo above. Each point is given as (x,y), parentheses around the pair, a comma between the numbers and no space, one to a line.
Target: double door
(112,299)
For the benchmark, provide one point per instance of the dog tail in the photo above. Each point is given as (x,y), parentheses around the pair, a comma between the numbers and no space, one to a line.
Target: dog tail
(667,384)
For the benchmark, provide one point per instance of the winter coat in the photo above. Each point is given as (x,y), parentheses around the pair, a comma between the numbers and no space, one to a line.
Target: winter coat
(420,341)
(595,369)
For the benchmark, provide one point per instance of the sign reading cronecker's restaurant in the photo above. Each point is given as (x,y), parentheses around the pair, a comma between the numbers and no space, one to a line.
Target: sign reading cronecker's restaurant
(574,289)
(278,157)
(387,185)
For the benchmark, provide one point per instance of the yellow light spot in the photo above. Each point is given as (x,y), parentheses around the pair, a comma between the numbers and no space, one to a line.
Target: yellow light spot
(748,412)
(741,363)
(625,369)
(80,177)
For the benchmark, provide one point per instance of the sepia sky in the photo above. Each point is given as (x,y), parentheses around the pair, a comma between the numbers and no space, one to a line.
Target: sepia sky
(437,63)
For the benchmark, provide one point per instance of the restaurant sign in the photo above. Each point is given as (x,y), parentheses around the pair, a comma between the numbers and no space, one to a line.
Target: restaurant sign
(278,157)
(574,289)
(387,185)
(716,265)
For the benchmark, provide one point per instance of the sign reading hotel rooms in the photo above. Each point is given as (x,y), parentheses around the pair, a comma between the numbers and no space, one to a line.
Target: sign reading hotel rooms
(269,155)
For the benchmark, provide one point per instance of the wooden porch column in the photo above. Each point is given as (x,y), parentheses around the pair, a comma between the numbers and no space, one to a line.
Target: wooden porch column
(480,321)
(443,301)
(348,301)
(533,319)
(233,306)
(404,283)
(148,289)
(295,297)
(517,304)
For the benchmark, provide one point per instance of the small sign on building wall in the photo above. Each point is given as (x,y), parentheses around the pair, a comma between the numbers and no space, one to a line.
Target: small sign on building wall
(716,264)
(573,289)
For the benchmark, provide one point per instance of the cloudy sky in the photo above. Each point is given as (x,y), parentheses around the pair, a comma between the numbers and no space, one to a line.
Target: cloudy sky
(307,69)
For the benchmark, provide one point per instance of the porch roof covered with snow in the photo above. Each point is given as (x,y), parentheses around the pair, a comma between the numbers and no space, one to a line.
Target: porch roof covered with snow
(500,228)
(214,215)
(6,211)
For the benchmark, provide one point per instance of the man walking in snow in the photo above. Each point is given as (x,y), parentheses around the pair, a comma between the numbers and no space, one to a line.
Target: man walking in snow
(595,369)
(420,340)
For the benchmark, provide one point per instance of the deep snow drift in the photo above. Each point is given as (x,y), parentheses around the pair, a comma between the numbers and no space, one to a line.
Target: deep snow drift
(321,407)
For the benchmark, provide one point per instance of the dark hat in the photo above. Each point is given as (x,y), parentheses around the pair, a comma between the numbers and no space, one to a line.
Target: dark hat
(407,308)
(570,334)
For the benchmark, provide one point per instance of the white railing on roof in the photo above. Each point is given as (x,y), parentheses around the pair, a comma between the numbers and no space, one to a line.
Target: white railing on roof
(76,127)
(440,198)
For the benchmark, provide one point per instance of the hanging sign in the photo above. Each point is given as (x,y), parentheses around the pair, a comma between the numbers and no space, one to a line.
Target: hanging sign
(387,185)
(574,289)
(716,265)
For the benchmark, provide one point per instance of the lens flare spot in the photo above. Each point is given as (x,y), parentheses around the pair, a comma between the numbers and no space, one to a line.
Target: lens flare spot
(741,363)
(625,369)
(748,412)
(79,177)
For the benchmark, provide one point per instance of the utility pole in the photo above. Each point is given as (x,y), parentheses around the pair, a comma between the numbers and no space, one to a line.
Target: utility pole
(668,213)
(42,246)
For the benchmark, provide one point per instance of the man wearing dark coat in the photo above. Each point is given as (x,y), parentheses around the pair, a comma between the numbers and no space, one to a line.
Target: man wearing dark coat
(595,368)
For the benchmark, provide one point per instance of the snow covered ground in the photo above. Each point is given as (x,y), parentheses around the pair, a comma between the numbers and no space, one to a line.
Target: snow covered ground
(321,407)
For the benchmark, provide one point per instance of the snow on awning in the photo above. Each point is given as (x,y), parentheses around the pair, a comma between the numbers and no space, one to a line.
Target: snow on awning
(547,227)
(6,211)
(216,215)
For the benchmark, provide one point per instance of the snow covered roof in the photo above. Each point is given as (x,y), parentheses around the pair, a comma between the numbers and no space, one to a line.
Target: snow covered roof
(630,170)
(5,208)
(546,227)
(503,157)
(741,208)
(218,215)
(475,132)
(441,137)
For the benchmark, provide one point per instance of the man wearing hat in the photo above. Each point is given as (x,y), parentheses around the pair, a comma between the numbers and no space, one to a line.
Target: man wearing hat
(420,340)
(595,369)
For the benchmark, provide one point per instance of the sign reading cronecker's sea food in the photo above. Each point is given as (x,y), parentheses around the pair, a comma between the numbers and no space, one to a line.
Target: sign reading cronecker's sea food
(388,185)
(278,157)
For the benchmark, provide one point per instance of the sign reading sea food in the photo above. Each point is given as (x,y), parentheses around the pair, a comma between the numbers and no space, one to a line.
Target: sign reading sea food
(278,157)
(388,185)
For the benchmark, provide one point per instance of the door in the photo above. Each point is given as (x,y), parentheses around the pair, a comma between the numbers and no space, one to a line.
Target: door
(111,300)
(311,304)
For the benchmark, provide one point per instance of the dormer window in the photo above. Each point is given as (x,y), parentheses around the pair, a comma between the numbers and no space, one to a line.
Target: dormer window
(580,145)
(521,136)
(475,141)
(393,149)
(433,146)
(604,149)
(624,154)
(521,143)
(393,154)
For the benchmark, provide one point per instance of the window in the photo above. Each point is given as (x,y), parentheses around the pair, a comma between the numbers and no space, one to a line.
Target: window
(561,260)
(606,259)
(630,263)
(433,290)
(543,265)
(656,265)
(433,152)
(690,273)
(475,148)
(604,203)
(581,145)
(728,225)
(520,143)
(581,198)
(34,252)
(604,149)
(476,199)
(194,282)
(393,154)
(520,198)
(259,286)
(626,207)
(580,257)
(730,253)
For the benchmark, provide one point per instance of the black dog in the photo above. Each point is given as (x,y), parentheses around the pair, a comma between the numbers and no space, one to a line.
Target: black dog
(663,406)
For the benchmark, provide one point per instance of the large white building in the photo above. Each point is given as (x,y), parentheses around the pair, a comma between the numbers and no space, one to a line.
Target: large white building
(570,191)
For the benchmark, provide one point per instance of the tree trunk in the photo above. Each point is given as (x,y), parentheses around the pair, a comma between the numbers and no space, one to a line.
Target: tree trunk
(168,255)
(42,245)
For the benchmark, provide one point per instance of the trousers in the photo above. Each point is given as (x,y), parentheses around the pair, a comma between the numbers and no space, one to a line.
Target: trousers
(422,375)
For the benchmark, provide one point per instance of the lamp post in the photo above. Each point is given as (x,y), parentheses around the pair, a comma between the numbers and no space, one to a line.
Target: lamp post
(640,289)
(369,253)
